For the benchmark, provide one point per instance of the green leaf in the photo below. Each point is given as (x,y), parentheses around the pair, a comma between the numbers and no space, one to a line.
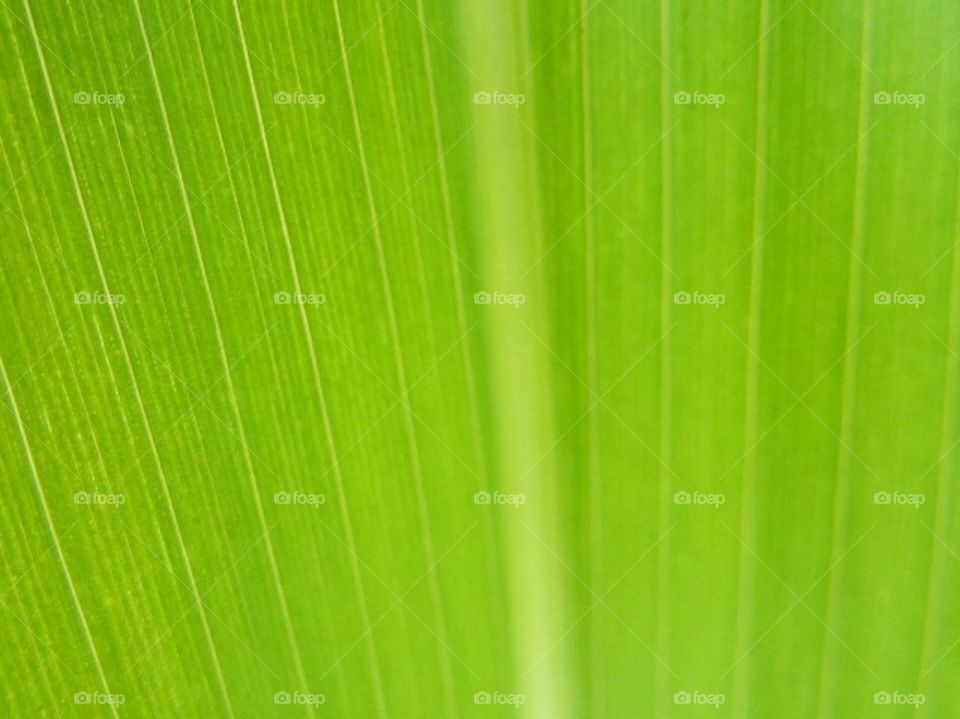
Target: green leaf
(422,359)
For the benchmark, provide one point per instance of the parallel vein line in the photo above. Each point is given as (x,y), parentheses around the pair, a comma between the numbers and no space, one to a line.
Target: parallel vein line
(123,345)
(56,537)
(314,365)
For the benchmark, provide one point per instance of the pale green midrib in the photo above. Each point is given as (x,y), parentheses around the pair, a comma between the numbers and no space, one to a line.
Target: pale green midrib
(400,367)
(61,558)
(228,374)
(318,385)
(841,506)
(509,231)
(747,532)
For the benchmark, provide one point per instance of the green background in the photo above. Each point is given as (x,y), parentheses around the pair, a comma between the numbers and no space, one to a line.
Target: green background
(399,397)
